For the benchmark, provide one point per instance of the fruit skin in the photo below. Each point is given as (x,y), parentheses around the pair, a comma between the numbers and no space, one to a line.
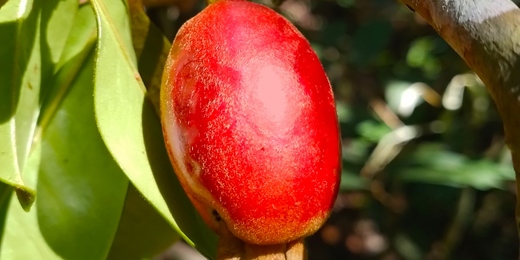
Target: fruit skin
(250,125)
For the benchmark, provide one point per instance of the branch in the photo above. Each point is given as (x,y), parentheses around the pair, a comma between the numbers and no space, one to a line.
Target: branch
(486,34)
(231,248)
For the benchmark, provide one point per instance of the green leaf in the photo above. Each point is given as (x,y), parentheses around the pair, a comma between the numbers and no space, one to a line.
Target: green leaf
(131,129)
(351,181)
(19,93)
(57,21)
(34,35)
(423,54)
(76,50)
(373,130)
(344,111)
(81,188)
(21,236)
(433,164)
(142,232)
(356,151)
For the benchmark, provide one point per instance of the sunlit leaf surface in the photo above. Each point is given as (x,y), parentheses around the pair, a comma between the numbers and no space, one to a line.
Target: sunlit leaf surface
(34,35)
(131,129)
(81,189)
(19,93)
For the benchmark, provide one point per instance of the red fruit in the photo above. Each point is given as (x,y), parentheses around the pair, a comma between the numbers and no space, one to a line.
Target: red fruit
(250,124)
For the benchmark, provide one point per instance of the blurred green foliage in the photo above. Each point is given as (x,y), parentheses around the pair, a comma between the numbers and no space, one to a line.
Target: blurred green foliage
(426,173)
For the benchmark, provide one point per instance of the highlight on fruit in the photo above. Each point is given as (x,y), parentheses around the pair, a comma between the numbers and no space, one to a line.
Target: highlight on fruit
(249,121)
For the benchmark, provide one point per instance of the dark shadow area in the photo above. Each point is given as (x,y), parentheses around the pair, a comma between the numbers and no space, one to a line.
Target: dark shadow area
(47,63)
(17,42)
(185,215)
(6,192)
(49,87)
(142,232)
(151,59)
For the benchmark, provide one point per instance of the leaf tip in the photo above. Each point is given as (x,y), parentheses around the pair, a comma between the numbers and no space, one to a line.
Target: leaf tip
(26,197)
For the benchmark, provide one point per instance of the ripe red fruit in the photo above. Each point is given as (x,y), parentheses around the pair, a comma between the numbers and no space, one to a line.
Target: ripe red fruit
(250,124)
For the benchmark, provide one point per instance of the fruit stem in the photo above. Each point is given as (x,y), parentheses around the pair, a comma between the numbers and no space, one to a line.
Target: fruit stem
(231,248)
(264,252)
(296,250)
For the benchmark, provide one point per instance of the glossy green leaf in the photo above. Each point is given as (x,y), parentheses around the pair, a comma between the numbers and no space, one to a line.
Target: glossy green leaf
(21,236)
(81,188)
(57,20)
(142,232)
(75,51)
(131,128)
(19,93)
(35,35)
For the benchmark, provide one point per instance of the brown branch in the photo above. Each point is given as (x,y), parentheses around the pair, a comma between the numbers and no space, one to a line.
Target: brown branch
(486,34)
(232,248)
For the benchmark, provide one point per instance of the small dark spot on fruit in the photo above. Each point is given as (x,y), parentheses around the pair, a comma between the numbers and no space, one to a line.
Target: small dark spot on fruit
(216,215)
(189,166)
(262,149)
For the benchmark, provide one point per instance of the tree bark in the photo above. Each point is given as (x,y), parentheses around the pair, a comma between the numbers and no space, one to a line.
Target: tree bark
(486,34)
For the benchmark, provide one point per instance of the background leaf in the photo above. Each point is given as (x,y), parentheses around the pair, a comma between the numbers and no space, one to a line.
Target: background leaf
(433,164)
